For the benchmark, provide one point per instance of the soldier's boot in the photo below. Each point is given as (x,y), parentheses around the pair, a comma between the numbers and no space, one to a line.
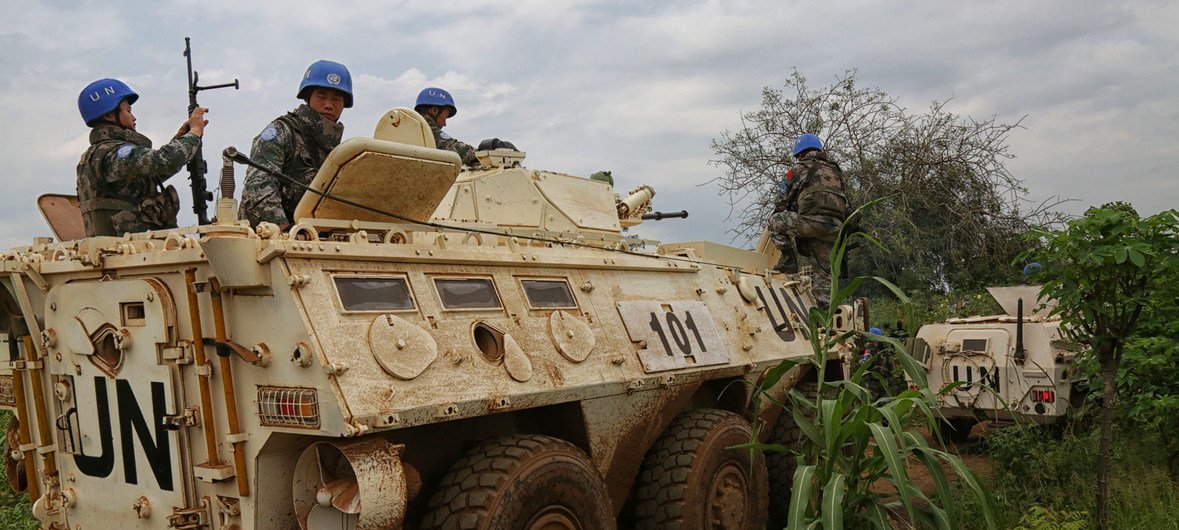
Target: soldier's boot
(788,261)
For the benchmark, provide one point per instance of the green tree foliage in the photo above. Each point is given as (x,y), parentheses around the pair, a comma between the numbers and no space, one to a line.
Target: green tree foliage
(852,445)
(1109,271)
(957,214)
(1036,467)
(1041,518)
(1148,380)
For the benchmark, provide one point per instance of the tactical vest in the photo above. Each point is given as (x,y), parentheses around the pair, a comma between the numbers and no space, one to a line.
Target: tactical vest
(309,154)
(820,190)
(99,200)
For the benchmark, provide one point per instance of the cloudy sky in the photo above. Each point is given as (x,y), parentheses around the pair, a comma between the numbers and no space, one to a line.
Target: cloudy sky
(638,87)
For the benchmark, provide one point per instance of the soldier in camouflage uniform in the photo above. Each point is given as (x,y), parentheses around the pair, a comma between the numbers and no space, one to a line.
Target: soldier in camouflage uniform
(436,105)
(806,221)
(120,177)
(296,144)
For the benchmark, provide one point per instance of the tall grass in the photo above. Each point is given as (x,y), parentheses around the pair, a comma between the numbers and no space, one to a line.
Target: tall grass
(1040,476)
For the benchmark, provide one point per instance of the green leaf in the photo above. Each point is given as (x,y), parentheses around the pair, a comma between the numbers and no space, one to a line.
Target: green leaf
(888,449)
(1121,255)
(972,482)
(773,375)
(830,413)
(806,425)
(941,484)
(1137,258)
(894,423)
(896,291)
(833,502)
(765,448)
(846,291)
(911,367)
(800,495)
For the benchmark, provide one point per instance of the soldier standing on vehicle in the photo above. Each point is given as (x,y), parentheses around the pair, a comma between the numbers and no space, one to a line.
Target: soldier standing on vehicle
(436,105)
(296,144)
(807,219)
(120,177)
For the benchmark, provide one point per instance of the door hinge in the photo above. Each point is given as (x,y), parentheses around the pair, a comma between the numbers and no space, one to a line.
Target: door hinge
(189,418)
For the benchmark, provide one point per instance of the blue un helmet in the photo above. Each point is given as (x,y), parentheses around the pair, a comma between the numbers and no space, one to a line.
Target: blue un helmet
(103,96)
(1031,268)
(327,74)
(437,97)
(807,142)
(875,331)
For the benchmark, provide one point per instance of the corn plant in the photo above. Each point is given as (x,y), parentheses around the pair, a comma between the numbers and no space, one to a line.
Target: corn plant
(853,456)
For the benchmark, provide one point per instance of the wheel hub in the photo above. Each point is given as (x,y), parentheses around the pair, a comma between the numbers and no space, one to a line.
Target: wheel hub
(728,501)
(554,518)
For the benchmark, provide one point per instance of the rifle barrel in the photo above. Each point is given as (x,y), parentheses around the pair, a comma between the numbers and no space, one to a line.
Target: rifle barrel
(197,168)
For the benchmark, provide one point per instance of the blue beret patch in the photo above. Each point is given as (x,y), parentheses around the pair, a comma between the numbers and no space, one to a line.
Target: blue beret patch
(268,134)
(124,151)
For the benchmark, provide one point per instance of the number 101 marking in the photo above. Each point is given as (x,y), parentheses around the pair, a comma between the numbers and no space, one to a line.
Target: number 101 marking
(683,343)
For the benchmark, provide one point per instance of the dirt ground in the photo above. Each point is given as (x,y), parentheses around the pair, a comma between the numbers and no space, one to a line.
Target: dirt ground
(972,458)
(974,461)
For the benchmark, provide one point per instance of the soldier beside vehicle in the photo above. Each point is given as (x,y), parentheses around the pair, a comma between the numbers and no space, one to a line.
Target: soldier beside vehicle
(808,215)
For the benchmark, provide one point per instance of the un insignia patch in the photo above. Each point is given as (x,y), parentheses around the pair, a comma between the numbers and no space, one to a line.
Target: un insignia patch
(124,151)
(268,134)
(444,136)
(333,79)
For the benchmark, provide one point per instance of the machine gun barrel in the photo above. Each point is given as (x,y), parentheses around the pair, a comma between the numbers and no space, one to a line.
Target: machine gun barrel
(659,216)
(197,168)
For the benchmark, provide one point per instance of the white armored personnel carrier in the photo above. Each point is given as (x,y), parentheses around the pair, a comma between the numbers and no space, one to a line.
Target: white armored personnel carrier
(1010,367)
(431,347)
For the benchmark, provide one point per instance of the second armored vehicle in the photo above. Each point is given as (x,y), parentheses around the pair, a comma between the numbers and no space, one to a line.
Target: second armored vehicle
(1010,367)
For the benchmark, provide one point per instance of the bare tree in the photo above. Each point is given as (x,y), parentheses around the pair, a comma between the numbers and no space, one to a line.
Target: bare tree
(956,211)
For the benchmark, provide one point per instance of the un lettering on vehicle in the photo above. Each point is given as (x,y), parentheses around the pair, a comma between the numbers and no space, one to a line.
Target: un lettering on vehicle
(117,431)
(782,307)
(673,335)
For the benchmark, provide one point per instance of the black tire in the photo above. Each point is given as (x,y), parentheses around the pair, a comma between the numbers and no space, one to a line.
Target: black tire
(957,429)
(521,482)
(781,466)
(691,481)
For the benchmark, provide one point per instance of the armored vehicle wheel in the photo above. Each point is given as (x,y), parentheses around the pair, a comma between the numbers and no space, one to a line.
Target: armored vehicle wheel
(690,480)
(781,466)
(528,482)
(957,429)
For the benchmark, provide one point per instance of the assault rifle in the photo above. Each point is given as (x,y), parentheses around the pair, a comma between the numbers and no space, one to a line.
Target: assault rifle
(197,166)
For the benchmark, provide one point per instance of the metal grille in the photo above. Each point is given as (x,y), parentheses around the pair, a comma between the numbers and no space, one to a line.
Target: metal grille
(288,407)
(7,397)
